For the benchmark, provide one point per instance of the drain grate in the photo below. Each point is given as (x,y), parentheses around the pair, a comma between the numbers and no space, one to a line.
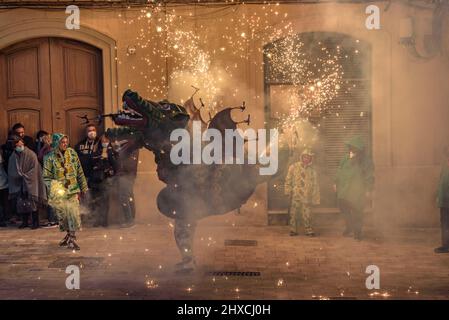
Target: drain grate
(243,243)
(234,273)
(63,262)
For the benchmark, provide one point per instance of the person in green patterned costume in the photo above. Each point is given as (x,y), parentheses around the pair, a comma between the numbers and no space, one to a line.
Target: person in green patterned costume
(301,185)
(353,183)
(64,178)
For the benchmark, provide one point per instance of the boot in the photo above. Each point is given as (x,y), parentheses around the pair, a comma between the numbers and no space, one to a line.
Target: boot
(64,241)
(72,243)
(35,220)
(187,265)
(441,250)
(24,224)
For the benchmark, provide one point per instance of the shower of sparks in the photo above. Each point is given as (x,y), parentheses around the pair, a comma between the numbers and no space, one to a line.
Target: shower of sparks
(315,75)
(176,45)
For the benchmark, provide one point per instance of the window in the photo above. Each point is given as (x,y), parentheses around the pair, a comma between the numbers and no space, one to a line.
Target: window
(348,114)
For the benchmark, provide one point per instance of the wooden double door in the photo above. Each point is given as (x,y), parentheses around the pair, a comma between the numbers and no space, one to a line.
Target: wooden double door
(48,84)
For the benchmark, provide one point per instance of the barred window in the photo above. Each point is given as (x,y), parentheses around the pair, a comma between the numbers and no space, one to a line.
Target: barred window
(348,114)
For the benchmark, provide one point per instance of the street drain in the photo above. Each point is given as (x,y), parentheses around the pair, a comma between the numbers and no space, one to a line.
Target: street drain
(83,262)
(234,273)
(243,243)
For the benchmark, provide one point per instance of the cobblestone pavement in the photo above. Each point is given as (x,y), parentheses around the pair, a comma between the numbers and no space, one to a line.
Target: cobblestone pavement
(137,263)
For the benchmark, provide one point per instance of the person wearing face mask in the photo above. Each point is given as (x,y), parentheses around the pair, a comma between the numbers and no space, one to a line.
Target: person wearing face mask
(354,182)
(64,178)
(25,182)
(103,166)
(85,149)
(301,185)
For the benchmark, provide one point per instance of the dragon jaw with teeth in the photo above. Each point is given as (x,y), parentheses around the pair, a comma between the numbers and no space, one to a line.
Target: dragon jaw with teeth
(193,191)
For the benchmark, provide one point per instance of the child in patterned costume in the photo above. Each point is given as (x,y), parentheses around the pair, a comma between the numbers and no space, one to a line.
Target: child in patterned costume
(65,181)
(301,185)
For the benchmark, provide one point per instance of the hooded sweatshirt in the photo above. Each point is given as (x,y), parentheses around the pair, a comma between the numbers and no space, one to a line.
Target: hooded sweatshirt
(355,176)
(65,168)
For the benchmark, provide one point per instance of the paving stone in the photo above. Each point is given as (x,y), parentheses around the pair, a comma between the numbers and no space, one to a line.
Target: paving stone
(137,263)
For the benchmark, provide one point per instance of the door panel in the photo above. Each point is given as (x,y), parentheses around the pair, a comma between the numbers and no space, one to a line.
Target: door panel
(24,87)
(48,83)
(73,123)
(76,85)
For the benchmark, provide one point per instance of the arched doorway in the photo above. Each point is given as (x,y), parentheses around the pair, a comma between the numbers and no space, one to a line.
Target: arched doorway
(349,114)
(47,83)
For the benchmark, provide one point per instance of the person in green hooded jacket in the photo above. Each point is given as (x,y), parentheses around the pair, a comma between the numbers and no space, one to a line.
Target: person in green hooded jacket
(64,178)
(354,181)
(443,204)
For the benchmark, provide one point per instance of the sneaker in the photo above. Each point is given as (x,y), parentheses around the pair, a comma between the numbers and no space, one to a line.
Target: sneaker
(127,224)
(72,245)
(49,225)
(441,250)
(310,234)
(347,233)
(64,241)
(293,234)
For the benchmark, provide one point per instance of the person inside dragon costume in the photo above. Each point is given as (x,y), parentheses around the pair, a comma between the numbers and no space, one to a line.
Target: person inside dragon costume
(192,191)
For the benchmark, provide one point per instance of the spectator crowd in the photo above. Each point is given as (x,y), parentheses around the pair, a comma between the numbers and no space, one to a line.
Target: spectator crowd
(44,181)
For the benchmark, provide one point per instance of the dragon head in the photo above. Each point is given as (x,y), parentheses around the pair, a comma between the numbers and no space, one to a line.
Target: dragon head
(144,114)
(147,123)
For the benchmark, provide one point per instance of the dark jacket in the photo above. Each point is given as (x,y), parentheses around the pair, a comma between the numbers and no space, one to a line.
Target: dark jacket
(29,143)
(102,167)
(85,151)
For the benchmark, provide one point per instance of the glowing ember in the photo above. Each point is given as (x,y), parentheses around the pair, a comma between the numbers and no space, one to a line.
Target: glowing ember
(151,284)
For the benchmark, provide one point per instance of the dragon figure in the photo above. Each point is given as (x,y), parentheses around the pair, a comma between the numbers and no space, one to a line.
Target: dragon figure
(192,191)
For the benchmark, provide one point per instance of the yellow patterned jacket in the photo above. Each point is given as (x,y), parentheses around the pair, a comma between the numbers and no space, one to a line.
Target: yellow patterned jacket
(302,185)
(66,169)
